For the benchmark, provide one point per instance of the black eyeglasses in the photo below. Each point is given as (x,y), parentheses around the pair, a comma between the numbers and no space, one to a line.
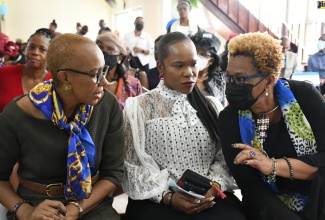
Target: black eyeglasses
(242,79)
(98,76)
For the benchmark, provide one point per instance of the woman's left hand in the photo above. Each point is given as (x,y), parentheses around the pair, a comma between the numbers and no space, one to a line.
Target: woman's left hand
(72,212)
(254,158)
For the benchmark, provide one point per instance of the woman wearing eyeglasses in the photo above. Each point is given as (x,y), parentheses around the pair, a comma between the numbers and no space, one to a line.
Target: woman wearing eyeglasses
(272,133)
(120,82)
(66,134)
(210,80)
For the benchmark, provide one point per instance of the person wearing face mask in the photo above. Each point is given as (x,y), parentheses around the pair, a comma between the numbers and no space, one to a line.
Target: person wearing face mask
(210,80)
(290,61)
(272,133)
(140,44)
(316,63)
(120,83)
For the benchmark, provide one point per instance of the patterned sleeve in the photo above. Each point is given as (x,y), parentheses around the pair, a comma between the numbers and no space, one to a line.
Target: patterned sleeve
(142,179)
(139,87)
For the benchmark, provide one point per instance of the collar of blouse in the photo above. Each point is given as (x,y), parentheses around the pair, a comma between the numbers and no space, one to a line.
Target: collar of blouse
(183,113)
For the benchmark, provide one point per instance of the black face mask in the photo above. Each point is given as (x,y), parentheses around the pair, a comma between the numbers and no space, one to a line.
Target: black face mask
(240,96)
(139,26)
(110,60)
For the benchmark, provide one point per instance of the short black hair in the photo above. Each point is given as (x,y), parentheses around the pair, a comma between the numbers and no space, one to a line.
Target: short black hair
(44,32)
(168,40)
(137,18)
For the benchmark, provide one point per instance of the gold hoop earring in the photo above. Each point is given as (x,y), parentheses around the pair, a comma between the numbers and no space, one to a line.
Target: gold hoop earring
(66,88)
(266,92)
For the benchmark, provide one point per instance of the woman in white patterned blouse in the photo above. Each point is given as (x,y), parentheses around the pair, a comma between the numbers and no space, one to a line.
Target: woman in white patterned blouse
(168,130)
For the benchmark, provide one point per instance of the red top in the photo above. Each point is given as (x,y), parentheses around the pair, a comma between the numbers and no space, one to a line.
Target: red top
(10,83)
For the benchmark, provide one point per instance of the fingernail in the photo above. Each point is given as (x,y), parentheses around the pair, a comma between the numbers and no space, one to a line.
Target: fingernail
(235,162)
(233,145)
(245,161)
(212,204)
(197,200)
(212,198)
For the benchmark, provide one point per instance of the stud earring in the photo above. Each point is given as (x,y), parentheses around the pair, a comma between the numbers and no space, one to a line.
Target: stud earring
(266,92)
(66,88)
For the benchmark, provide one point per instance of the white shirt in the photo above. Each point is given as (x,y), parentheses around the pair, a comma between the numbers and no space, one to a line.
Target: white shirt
(164,137)
(191,29)
(144,41)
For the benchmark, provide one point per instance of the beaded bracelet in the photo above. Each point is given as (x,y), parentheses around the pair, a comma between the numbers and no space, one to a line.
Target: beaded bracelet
(290,167)
(14,211)
(271,177)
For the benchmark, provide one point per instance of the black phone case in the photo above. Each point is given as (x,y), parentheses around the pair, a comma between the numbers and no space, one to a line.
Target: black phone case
(196,179)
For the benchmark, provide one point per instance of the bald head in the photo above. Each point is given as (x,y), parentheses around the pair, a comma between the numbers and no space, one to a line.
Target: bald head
(65,52)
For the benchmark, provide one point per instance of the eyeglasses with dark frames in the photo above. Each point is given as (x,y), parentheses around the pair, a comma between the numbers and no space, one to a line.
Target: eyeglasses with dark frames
(239,79)
(98,76)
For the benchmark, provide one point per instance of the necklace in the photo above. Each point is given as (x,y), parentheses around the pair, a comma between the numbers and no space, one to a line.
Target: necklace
(112,83)
(272,110)
(262,125)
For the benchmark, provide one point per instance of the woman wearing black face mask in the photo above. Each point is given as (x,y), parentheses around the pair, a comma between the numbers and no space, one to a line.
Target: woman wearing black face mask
(140,44)
(120,82)
(272,133)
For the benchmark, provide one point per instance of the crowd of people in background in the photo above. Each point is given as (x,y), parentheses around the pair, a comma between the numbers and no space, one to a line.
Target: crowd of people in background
(82,118)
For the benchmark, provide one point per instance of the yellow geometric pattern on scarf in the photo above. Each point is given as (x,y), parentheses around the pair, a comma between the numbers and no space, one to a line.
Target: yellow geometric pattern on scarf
(297,122)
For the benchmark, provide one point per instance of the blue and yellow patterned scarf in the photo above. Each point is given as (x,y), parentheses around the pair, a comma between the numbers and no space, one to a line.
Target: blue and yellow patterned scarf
(299,130)
(81,149)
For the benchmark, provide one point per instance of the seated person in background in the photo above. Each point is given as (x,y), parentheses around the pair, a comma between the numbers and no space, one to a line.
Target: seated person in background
(210,80)
(119,82)
(153,74)
(16,80)
(168,130)
(53,26)
(136,72)
(272,133)
(316,63)
(71,160)
(83,31)
(290,61)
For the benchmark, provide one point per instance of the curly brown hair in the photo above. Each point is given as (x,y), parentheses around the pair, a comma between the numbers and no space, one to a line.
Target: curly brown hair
(265,51)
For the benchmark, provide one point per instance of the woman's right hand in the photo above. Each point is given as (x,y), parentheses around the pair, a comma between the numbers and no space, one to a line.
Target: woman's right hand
(46,210)
(190,205)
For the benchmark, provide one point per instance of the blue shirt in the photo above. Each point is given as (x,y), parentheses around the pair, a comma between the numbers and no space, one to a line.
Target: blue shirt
(316,63)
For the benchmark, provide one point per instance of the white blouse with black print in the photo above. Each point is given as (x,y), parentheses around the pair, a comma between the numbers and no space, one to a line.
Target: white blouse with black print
(163,138)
